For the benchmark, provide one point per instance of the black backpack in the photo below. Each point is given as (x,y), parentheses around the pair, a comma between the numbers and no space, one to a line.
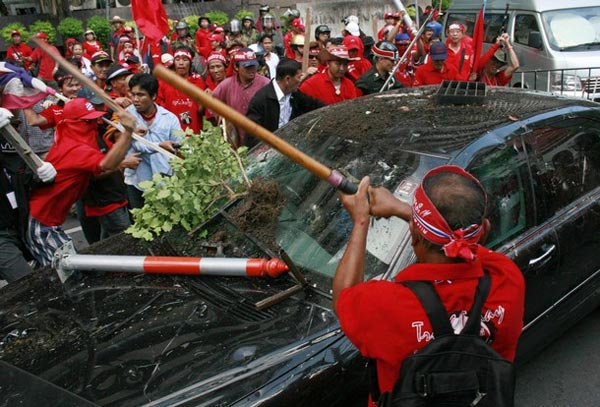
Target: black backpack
(451,370)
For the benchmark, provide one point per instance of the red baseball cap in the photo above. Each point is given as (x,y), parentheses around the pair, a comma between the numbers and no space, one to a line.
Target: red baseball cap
(352,42)
(81,108)
(215,37)
(42,35)
(246,57)
(15,32)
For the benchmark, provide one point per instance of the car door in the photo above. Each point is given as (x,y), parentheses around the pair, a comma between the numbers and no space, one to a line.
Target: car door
(565,156)
(504,170)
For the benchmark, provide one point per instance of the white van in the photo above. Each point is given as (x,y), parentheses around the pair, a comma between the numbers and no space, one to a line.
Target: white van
(557,41)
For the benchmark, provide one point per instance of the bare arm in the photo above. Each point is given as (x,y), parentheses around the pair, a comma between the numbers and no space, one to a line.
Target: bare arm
(33,118)
(514,60)
(351,268)
(384,204)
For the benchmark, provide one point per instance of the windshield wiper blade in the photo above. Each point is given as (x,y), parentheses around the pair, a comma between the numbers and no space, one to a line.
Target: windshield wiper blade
(586,44)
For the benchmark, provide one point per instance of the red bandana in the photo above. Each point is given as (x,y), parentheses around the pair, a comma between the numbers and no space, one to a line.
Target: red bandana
(433,227)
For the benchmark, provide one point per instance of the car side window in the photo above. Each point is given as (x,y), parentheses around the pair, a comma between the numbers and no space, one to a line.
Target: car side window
(503,171)
(567,162)
(524,24)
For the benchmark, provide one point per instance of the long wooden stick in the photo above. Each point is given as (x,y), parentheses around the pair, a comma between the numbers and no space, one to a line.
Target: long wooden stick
(333,177)
(306,48)
(72,69)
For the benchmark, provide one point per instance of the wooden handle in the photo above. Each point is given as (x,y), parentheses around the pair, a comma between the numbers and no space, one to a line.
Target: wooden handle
(306,48)
(243,122)
(72,69)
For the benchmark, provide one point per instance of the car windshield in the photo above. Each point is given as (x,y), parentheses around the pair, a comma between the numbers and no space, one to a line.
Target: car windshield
(312,227)
(560,25)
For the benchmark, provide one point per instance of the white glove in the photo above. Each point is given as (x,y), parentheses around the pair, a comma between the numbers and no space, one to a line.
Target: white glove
(46,172)
(47,103)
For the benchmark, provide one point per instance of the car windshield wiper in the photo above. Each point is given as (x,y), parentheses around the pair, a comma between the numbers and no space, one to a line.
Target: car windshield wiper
(578,46)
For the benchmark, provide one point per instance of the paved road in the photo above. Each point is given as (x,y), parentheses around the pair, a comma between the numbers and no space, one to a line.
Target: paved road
(565,374)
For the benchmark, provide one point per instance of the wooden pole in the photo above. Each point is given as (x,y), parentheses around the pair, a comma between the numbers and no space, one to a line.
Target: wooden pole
(306,48)
(73,70)
(333,177)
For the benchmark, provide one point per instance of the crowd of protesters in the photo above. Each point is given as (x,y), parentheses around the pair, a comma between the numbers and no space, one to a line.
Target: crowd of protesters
(256,67)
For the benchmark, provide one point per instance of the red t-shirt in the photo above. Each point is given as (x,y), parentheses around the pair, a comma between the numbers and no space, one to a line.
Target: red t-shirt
(321,87)
(357,68)
(75,162)
(46,63)
(53,114)
(90,49)
(15,54)
(386,322)
(427,75)
(180,104)
(454,60)
(202,42)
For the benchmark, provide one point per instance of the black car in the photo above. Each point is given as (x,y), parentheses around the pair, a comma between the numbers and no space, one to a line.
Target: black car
(132,340)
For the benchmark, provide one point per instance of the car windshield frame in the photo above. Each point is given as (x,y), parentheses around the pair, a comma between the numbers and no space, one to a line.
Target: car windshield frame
(561,35)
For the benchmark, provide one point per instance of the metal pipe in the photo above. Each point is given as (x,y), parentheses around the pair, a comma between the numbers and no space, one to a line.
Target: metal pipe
(238,267)
(403,58)
(407,20)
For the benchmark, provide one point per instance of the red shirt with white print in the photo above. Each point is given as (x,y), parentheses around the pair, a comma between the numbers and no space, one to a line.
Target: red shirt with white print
(386,322)
(181,105)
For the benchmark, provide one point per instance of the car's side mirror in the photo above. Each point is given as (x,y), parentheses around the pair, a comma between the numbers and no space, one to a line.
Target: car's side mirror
(535,40)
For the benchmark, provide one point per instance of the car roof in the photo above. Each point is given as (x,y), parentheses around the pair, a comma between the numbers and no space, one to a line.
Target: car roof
(413,120)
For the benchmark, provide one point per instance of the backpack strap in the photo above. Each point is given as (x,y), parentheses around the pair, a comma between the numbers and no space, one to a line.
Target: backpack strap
(473,324)
(438,317)
(433,306)
(437,314)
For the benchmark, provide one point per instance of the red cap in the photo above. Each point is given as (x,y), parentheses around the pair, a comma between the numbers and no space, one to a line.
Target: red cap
(215,37)
(42,35)
(297,23)
(245,57)
(81,108)
(219,30)
(352,42)
(15,32)
(128,29)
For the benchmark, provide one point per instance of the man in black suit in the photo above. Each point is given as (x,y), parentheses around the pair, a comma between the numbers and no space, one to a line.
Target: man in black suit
(280,101)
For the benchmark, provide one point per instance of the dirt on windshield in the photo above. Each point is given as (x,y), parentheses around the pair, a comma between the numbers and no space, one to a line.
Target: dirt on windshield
(260,210)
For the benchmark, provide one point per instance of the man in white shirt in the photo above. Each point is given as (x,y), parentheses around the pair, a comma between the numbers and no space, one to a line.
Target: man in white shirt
(271,58)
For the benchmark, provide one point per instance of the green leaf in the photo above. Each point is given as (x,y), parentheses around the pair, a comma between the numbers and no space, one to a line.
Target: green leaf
(197,181)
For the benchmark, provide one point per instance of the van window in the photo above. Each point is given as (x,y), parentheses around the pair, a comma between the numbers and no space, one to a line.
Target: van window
(524,24)
(559,25)
(493,24)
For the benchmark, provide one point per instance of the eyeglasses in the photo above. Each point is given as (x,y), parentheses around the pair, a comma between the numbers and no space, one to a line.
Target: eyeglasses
(312,57)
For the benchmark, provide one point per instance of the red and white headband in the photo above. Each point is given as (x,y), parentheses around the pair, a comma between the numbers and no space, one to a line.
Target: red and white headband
(432,226)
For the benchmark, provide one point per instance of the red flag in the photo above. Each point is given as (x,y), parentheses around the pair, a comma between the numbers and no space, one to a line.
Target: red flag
(478,33)
(151,18)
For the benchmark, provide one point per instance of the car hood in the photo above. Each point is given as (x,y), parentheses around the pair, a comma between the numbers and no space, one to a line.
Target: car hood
(124,340)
